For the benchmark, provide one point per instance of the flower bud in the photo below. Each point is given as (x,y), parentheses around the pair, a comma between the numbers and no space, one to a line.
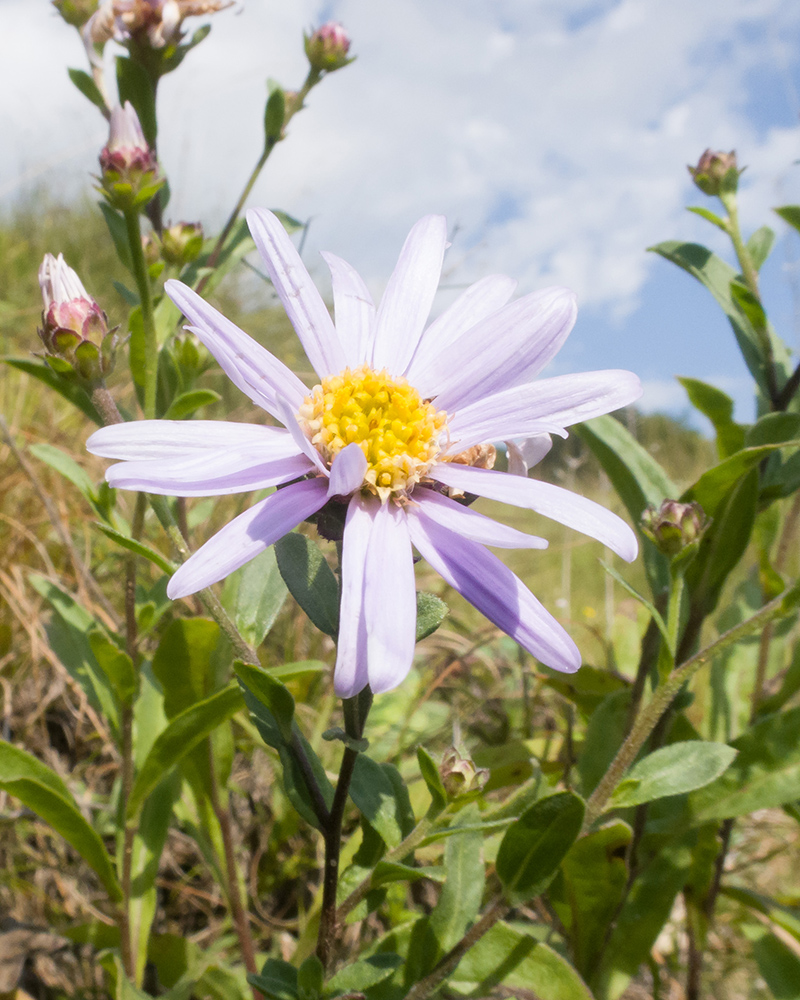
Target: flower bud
(75,12)
(675,526)
(459,774)
(130,170)
(716,173)
(182,243)
(74,328)
(327,48)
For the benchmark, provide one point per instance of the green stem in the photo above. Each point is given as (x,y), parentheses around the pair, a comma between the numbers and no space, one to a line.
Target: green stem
(142,277)
(664,694)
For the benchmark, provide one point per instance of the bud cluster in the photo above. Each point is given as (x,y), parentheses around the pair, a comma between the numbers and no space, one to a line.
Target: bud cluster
(74,328)
(674,527)
(130,174)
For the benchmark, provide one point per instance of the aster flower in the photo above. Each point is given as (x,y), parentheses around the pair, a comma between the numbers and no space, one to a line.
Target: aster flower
(385,437)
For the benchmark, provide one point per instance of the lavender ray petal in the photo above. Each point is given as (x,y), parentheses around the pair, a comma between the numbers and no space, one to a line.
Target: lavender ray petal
(287,416)
(390,600)
(249,366)
(246,535)
(523,455)
(351,672)
(546,406)
(213,474)
(561,505)
(353,309)
(479,301)
(347,471)
(407,300)
(141,440)
(298,293)
(470,524)
(495,591)
(509,347)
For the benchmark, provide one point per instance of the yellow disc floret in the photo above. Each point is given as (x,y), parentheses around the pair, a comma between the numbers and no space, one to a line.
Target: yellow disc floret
(398,431)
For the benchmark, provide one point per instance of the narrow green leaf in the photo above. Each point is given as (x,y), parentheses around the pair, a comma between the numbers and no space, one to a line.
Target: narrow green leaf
(119,236)
(784,916)
(460,900)
(672,770)
(63,386)
(181,736)
(657,618)
(310,580)
(116,665)
(183,662)
(709,216)
(88,88)
(188,403)
(139,548)
(277,980)
(433,781)
(274,114)
(310,978)
(535,844)
(271,693)
(373,794)
(254,595)
(718,407)
(778,964)
(134,85)
(366,973)
(43,792)
(760,245)
(790,214)
(67,467)
(392,871)
(774,428)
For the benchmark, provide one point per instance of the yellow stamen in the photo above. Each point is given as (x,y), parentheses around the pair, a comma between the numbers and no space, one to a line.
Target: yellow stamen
(397,430)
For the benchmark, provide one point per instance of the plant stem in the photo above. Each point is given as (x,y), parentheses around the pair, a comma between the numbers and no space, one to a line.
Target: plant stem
(664,694)
(142,277)
(355,714)
(427,986)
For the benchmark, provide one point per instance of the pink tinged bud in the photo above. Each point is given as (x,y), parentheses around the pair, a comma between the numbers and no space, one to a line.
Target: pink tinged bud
(74,328)
(327,48)
(130,170)
(674,527)
(182,243)
(716,173)
(460,776)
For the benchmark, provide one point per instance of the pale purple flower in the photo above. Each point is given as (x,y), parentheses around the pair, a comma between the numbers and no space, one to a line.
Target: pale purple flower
(381,436)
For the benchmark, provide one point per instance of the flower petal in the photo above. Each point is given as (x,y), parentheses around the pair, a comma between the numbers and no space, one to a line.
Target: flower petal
(208,475)
(494,590)
(289,419)
(544,407)
(298,293)
(390,600)
(407,301)
(523,455)
(552,501)
(470,524)
(140,440)
(247,364)
(509,347)
(347,471)
(476,303)
(351,675)
(248,534)
(353,309)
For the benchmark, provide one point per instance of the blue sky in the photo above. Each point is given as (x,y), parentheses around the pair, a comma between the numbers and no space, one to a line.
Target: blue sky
(554,134)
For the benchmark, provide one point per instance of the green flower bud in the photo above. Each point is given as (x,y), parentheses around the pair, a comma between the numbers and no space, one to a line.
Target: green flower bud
(130,174)
(182,243)
(716,173)
(74,328)
(675,526)
(459,774)
(327,48)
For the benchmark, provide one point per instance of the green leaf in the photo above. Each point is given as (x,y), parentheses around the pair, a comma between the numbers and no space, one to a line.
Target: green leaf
(274,114)
(718,407)
(119,236)
(431,612)
(460,899)
(183,662)
(638,479)
(310,978)
(672,770)
(709,216)
(137,350)
(116,665)
(364,974)
(139,548)
(760,245)
(765,774)
(717,276)
(271,693)
(778,964)
(254,595)
(181,736)
(774,428)
(535,844)
(654,612)
(514,960)
(337,733)
(188,403)
(277,980)
(88,88)
(748,305)
(65,387)
(392,871)
(43,792)
(433,781)
(67,467)
(608,727)
(587,688)
(134,85)
(310,580)
(715,484)
(374,796)
(590,889)
(790,214)
(784,916)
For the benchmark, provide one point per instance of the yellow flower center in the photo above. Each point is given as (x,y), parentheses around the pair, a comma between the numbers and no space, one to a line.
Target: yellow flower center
(397,430)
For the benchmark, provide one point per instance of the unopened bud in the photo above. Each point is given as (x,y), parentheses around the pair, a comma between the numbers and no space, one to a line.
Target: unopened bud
(130,170)
(674,526)
(74,328)
(327,48)
(75,12)
(716,173)
(459,774)
(182,243)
